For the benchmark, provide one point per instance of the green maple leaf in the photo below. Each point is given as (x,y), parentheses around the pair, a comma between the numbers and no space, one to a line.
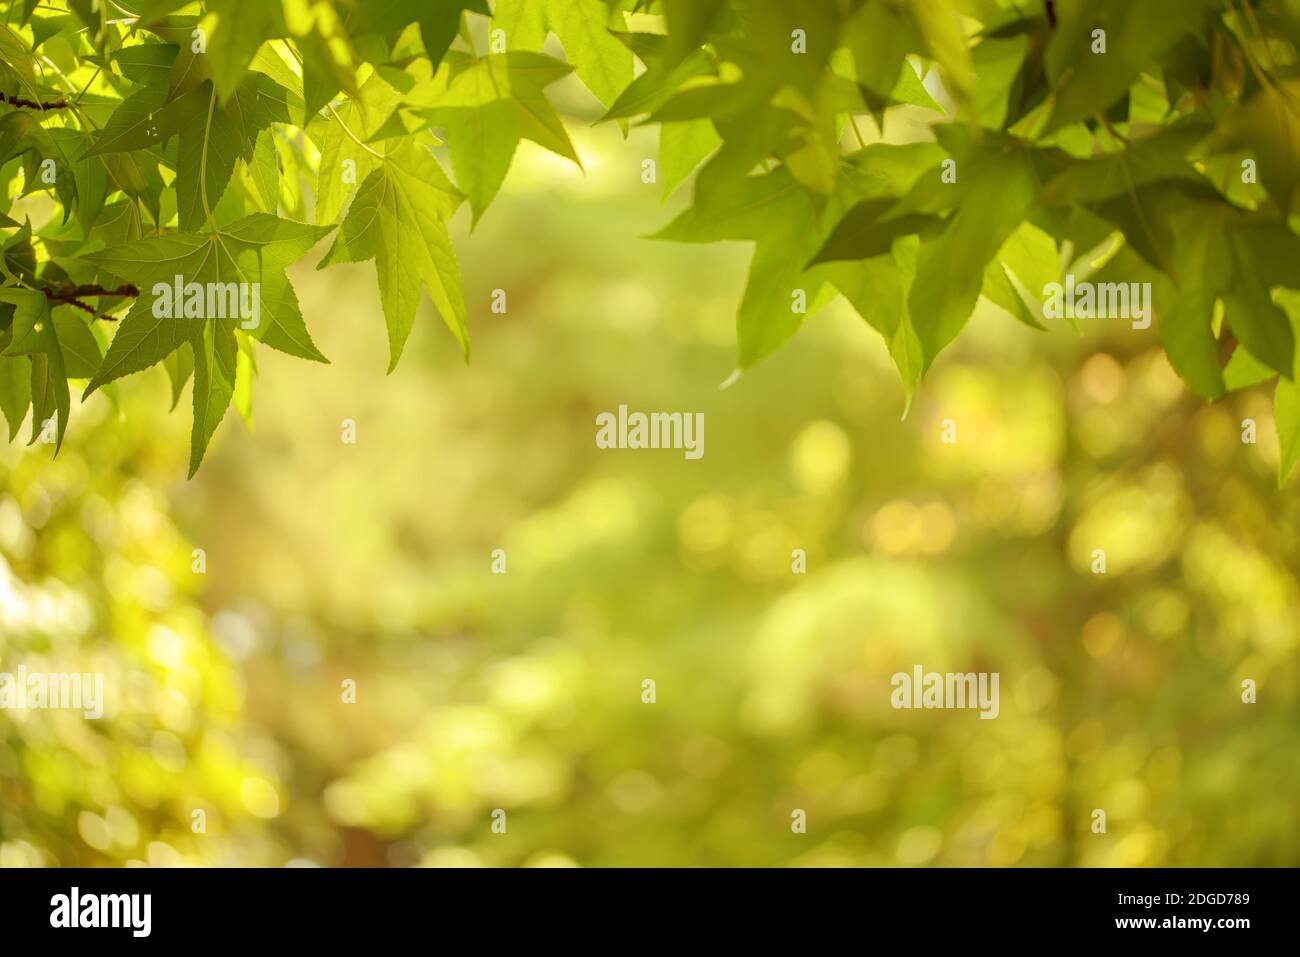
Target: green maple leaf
(1087,82)
(241,27)
(147,63)
(439,21)
(238,29)
(780,219)
(688,24)
(996,189)
(212,137)
(488,108)
(1157,157)
(256,249)
(89,175)
(1203,251)
(1025,264)
(878,291)
(658,84)
(1286,415)
(865,233)
(57,347)
(1244,370)
(146,117)
(602,62)
(365,115)
(325,73)
(398,220)
(206,152)
(215,364)
(179,366)
(265,172)
(943,39)
(522,22)
(1269,124)
(15,390)
(21,135)
(682,147)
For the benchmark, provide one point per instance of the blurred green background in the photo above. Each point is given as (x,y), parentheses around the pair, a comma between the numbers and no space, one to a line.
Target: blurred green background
(522,691)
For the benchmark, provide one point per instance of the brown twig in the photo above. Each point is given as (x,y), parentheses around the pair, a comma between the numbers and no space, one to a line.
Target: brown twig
(71,296)
(59,104)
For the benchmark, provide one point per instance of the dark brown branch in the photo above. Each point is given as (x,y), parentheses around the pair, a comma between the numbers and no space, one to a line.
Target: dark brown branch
(71,296)
(125,291)
(59,104)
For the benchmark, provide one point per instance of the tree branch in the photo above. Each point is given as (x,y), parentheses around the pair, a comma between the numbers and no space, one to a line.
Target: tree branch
(71,296)
(59,104)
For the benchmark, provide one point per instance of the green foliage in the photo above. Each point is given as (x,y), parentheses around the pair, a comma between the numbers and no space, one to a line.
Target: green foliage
(1130,142)
(397,220)
(257,248)
(326,562)
(490,105)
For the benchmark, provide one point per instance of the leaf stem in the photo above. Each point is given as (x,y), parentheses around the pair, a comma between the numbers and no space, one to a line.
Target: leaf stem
(352,136)
(853,121)
(93,77)
(1105,123)
(203,161)
(1255,66)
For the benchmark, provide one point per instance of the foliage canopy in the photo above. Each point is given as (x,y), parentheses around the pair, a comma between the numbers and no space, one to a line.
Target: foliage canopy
(1121,141)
